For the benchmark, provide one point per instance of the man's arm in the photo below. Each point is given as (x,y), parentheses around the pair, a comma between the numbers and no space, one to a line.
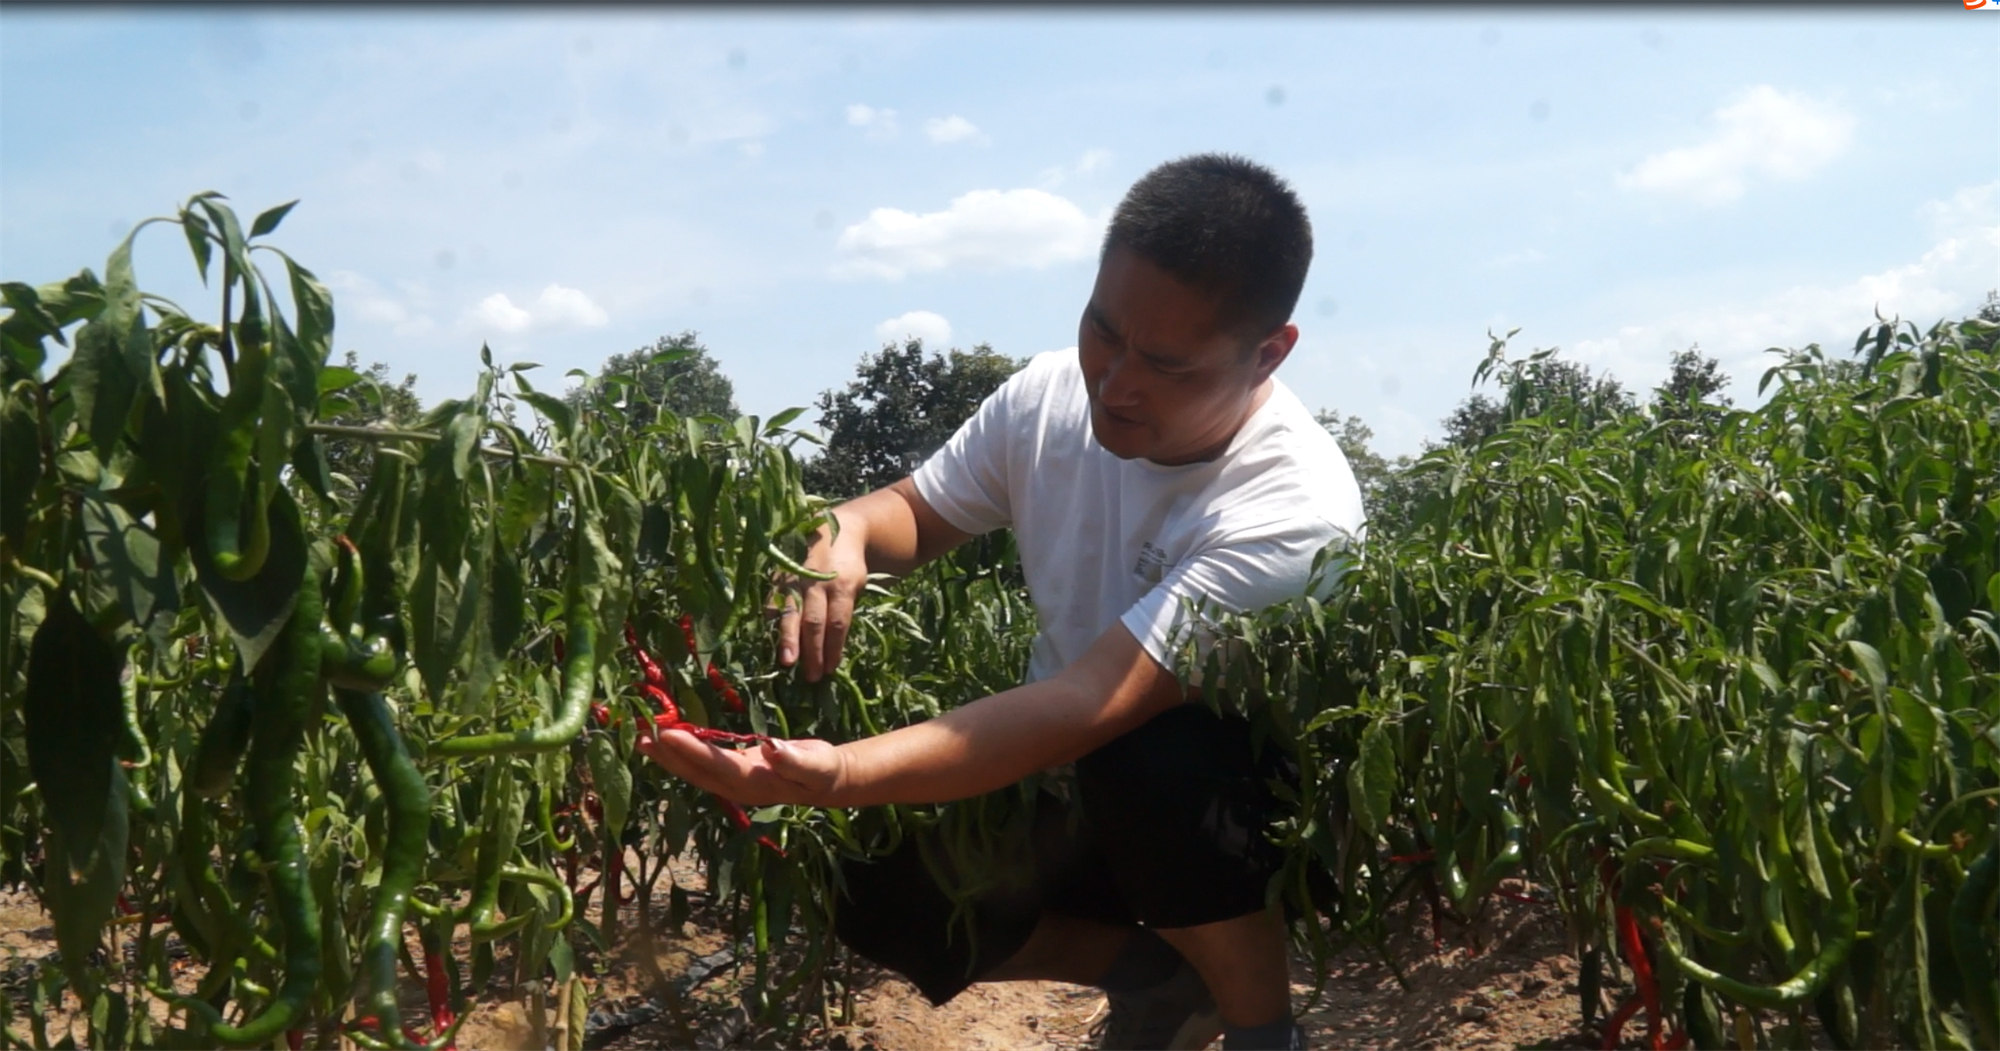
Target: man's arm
(991,743)
(892,530)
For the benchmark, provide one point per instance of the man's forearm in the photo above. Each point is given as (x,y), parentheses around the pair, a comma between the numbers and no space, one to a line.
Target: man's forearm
(986,745)
(898,531)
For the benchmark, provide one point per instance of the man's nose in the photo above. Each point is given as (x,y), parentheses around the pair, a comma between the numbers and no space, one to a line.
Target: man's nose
(1116,388)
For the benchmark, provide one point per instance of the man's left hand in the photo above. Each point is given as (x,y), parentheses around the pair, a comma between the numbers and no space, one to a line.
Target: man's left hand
(806,771)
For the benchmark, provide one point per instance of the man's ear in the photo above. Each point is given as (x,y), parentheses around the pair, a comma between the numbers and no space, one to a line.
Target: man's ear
(1274,349)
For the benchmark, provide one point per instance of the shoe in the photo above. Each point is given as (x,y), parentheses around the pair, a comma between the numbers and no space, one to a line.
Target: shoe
(1175,1015)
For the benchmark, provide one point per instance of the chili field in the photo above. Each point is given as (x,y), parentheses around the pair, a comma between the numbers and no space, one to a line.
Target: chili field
(1721,685)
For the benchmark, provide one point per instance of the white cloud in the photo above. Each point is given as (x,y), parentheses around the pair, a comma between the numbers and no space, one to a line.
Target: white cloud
(1091,161)
(933,329)
(1781,135)
(569,308)
(1949,280)
(357,297)
(497,313)
(879,123)
(989,228)
(556,307)
(951,129)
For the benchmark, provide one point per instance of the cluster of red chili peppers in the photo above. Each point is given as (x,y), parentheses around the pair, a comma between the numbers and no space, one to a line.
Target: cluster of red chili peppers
(1646,995)
(653,686)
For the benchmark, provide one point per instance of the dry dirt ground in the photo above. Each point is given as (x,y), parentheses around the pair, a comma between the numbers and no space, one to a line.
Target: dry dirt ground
(1517,991)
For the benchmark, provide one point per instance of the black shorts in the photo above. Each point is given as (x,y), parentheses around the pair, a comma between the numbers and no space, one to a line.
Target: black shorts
(1167,831)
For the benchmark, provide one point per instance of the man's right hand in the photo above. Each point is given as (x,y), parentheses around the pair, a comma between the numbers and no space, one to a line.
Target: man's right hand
(813,622)
(891,530)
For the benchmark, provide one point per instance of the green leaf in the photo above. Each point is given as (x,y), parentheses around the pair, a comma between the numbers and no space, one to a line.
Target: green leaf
(21,468)
(74,715)
(256,609)
(81,901)
(561,418)
(196,230)
(30,316)
(1371,781)
(509,601)
(103,387)
(1871,667)
(778,422)
(613,781)
(127,559)
(309,463)
(435,633)
(271,217)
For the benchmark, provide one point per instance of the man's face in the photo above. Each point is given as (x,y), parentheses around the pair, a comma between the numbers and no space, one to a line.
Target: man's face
(1166,382)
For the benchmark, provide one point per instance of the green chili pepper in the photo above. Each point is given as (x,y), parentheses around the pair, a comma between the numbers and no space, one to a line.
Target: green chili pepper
(1836,942)
(499,827)
(132,748)
(405,845)
(590,563)
(231,480)
(1680,914)
(223,741)
(283,683)
(367,666)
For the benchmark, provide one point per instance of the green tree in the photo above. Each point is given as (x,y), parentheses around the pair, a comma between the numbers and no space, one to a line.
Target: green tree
(1372,470)
(902,406)
(676,373)
(375,402)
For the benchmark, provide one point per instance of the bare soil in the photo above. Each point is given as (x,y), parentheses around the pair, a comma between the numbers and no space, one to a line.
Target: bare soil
(1509,984)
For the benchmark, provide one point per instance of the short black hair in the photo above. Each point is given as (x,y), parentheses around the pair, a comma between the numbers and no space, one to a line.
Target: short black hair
(1225,225)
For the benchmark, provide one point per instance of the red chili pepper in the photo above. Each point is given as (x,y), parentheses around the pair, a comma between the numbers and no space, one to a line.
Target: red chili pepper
(728,692)
(438,988)
(1418,858)
(687,632)
(600,713)
(1614,1027)
(742,821)
(295,1038)
(1634,945)
(659,696)
(706,733)
(647,665)
(561,655)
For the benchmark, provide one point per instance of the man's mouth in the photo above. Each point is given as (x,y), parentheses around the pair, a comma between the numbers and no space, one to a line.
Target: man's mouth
(1122,421)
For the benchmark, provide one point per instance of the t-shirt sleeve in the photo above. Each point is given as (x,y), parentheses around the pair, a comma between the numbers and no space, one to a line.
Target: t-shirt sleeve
(966,481)
(1237,577)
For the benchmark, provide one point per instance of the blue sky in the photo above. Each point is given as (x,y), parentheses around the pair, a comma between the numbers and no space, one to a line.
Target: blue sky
(800,185)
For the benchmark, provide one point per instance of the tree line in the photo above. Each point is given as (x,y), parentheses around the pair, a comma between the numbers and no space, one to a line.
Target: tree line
(906,400)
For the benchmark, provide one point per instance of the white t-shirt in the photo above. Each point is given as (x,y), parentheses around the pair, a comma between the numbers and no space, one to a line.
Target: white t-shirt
(1105,540)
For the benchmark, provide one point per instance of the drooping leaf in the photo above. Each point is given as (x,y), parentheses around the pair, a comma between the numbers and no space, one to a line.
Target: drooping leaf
(82,901)
(1371,780)
(613,781)
(127,559)
(74,714)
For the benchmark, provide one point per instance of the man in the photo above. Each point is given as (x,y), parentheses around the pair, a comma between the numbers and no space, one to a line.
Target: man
(1157,466)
